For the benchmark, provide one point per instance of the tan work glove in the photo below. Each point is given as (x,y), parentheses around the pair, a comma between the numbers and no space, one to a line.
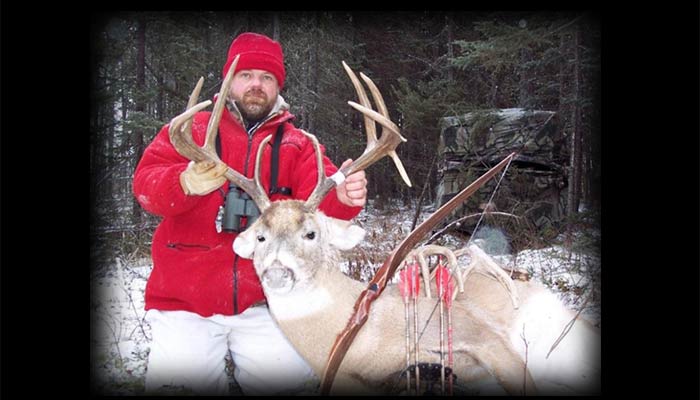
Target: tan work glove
(202,177)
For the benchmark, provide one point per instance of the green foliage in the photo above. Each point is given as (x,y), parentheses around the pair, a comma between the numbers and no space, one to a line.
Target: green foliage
(419,103)
(142,122)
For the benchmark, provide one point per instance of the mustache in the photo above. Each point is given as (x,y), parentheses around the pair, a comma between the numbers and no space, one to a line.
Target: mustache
(256,92)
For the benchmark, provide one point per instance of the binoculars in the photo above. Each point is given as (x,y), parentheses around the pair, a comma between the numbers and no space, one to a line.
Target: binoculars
(238,204)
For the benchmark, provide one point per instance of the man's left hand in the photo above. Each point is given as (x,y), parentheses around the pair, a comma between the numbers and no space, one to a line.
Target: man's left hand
(353,191)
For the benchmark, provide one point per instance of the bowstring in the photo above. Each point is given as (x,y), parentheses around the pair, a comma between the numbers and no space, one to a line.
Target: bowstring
(481,217)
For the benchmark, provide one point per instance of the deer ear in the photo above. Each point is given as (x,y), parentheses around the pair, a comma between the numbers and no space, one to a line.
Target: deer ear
(243,245)
(345,235)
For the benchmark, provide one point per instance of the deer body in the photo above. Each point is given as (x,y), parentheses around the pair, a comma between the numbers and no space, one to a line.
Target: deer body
(377,357)
(295,254)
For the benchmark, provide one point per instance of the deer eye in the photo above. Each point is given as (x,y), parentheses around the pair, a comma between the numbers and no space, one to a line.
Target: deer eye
(261,238)
(311,235)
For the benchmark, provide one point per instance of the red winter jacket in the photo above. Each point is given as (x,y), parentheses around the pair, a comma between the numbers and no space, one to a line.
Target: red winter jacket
(194,267)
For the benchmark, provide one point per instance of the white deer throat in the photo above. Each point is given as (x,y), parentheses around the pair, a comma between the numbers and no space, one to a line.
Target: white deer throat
(297,304)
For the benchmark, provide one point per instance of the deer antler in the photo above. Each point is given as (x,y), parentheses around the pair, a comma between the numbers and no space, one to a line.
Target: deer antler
(486,265)
(428,250)
(375,150)
(181,138)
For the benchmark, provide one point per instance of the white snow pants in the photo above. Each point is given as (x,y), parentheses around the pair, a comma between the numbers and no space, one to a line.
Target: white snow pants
(188,351)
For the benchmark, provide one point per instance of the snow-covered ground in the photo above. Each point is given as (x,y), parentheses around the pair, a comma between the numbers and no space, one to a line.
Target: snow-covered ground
(120,336)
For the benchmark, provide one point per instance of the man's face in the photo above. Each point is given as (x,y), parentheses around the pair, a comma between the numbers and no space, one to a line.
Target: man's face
(255,91)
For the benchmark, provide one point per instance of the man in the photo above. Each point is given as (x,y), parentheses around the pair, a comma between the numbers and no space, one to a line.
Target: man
(203,300)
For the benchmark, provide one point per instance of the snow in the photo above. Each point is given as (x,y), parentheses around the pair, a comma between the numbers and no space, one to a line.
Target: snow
(120,335)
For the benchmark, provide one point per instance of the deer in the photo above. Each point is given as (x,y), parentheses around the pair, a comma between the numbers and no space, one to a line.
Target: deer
(296,251)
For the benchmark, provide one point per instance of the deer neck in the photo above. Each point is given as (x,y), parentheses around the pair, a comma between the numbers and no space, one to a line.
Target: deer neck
(312,318)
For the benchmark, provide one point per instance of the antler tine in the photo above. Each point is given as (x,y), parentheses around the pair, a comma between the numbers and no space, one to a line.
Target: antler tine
(180,132)
(425,271)
(213,126)
(451,260)
(192,101)
(364,100)
(381,107)
(255,188)
(430,250)
(323,184)
(485,264)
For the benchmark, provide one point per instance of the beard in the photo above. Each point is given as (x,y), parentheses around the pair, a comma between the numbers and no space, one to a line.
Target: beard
(254,105)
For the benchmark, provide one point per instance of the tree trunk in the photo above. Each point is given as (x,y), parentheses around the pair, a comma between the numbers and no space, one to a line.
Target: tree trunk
(312,77)
(424,191)
(562,80)
(494,93)
(589,117)
(574,193)
(525,88)
(139,98)
(160,110)
(585,163)
(276,27)
(593,130)
(450,49)
(524,83)
(95,158)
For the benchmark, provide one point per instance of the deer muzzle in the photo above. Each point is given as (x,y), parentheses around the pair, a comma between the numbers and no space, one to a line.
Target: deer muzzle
(278,278)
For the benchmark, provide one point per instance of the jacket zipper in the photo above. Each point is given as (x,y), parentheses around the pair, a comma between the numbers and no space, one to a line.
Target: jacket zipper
(245,173)
(235,259)
(184,246)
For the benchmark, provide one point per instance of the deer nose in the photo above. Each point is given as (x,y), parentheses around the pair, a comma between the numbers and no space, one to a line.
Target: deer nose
(277,278)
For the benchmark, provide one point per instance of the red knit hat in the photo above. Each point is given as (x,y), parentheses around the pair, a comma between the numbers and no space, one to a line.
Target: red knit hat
(257,52)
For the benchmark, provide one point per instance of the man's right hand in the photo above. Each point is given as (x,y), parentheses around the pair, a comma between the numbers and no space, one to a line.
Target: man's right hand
(202,177)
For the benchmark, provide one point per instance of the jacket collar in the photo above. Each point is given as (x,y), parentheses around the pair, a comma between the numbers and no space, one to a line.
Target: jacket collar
(280,108)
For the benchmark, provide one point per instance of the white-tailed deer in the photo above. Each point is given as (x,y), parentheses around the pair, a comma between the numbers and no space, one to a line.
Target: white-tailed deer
(296,248)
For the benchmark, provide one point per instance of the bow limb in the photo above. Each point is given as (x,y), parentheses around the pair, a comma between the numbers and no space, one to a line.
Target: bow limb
(378,283)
